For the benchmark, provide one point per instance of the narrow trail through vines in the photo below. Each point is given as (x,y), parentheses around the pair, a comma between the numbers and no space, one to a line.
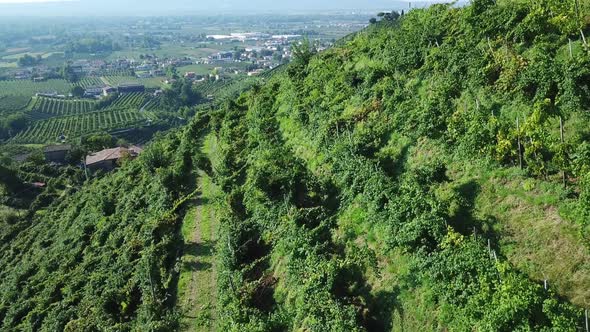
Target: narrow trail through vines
(197,286)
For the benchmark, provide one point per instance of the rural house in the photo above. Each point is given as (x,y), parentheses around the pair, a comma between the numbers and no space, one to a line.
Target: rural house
(93,91)
(107,159)
(56,153)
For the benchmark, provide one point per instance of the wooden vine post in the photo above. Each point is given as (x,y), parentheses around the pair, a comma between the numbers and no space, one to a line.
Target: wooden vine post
(562,135)
(584,40)
(519,142)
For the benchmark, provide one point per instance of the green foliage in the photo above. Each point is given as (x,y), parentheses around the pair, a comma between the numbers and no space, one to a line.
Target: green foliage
(69,74)
(333,173)
(373,124)
(28,60)
(104,258)
(181,93)
(77,91)
(97,142)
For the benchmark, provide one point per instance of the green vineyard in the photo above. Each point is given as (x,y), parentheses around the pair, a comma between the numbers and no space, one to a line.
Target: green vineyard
(225,88)
(90,81)
(59,107)
(11,104)
(117,72)
(133,100)
(29,88)
(77,125)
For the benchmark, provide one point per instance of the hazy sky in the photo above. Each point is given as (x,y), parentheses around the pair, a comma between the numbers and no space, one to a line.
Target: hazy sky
(161,7)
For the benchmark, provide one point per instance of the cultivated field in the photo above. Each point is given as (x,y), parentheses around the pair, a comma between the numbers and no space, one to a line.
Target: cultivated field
(58,107)
(29,88)
(11,104)
(90,81)
(77,125)
(131,101)
(154,82)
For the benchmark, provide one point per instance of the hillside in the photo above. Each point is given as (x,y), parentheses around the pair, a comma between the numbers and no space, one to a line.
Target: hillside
(430,173)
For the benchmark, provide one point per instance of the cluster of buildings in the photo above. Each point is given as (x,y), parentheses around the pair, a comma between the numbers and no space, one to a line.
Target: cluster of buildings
(259,57)
(37,73)
(251,36)
(146,66)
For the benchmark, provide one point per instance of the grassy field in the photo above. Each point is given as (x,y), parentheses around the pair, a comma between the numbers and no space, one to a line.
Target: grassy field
(198,69)
(11,104)
(8,64)
(174,50)
(531,219)
(153,82)
(29,88)
(43,55)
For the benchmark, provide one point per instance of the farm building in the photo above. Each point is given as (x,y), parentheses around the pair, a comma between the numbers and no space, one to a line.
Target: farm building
(107,159)
(56,153)
(93,91)
(108,90)
(128,88)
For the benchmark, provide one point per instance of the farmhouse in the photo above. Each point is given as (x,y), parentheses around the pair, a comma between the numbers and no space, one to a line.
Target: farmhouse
(128,88)
(107,159)
(93,91)
(47,94)
(107,90)
(56,153)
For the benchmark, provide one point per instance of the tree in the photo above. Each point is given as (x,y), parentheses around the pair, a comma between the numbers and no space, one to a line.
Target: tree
(77,91)
(27,60)
(171,72)
(68,73)
(98,142)
(16,122)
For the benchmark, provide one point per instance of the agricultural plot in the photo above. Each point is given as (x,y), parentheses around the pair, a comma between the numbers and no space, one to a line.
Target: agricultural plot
(57,107)
(90,81)
(200,69)
(117,72)
(77,125)
(29,88)
(150,83)
(11,104)
(133,100)
(5,64)
(153,105)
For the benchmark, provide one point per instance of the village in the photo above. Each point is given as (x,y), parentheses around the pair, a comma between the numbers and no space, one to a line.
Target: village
(239,54)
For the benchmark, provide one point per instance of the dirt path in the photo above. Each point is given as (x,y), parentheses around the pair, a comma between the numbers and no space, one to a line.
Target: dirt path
(198,280)
(104,80)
